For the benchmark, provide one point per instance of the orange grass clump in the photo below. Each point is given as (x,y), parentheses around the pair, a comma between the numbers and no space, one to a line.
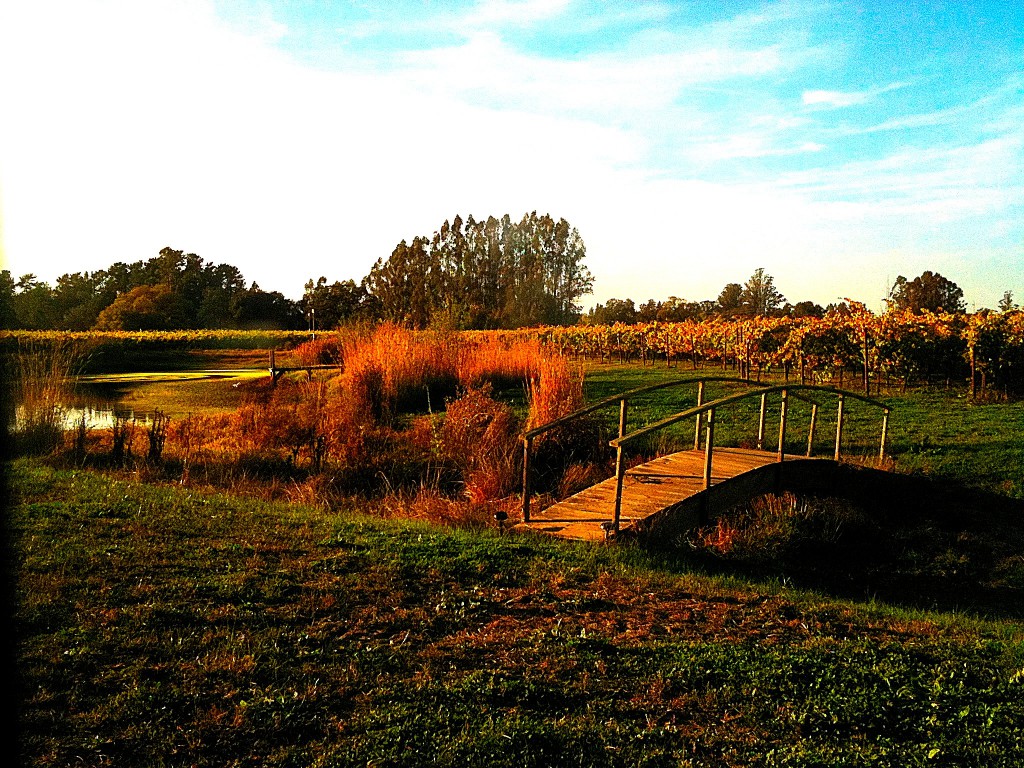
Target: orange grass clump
(394,369)
(500,364)
(556,390)
(480,436)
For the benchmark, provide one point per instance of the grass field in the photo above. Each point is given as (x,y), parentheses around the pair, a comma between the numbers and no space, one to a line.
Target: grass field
(167,624)
(160,626)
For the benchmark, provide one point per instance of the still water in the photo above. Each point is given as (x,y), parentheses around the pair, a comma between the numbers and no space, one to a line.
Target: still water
(96,417)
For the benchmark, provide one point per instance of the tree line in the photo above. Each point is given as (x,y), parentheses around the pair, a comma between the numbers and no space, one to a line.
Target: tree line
(495,273)
(173,290)
(759,297)
(488,274)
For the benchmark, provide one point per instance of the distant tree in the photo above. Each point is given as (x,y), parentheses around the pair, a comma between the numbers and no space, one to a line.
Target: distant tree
(335,304)
(760,297)
(730,300)
(491,274)
(648,311)
(33,304)
(931,291)
(256,309)
(615,311)
(803,309)
(78,299)
(1007,304)
(8,318)
(145,308)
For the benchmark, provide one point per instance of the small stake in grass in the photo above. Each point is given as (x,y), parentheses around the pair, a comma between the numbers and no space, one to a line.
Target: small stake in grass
(608,527)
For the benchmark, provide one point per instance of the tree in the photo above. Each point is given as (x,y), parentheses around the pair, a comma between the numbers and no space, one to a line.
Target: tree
(335,304)
(615,311)
(931,292)
(8,318)
(33,304)
(730,300)
(145,308)
(760,297)
(256,309)
(1007,304)
(492,274)
(803,309)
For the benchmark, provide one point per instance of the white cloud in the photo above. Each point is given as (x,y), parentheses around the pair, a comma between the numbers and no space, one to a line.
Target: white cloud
(833,98)
(131,126)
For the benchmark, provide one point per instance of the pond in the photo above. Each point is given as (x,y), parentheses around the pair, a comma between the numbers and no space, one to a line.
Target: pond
(101,399)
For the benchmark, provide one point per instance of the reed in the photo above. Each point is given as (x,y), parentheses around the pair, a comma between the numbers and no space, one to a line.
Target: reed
(42,385)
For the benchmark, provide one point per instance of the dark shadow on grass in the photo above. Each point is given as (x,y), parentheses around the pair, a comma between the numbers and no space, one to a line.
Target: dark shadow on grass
(904,540)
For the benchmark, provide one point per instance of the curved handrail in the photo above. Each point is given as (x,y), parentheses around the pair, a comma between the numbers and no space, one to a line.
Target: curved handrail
(614,399)
(710,406)
(622,399)
(704,413)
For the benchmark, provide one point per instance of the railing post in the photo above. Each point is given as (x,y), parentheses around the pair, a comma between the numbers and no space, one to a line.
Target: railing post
(761,421)
(839,428)
(783,412)
(810,432)
(622,417)
(620,473)
(527,445)
(700,402)
(709,448)
(885,433)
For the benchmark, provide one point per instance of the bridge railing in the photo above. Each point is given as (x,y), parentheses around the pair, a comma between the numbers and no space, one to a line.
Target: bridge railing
(622,400)
(706,412)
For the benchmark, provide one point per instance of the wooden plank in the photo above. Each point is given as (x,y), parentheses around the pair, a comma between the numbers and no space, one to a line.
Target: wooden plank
(651,489)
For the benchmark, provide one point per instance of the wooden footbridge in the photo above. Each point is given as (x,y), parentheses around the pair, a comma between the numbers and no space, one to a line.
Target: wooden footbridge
(690,487)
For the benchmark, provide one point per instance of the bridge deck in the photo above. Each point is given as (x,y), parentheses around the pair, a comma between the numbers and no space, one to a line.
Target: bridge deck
(648,489)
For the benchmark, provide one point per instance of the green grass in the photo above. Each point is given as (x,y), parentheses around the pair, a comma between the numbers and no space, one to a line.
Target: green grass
(161,626)
(933,432)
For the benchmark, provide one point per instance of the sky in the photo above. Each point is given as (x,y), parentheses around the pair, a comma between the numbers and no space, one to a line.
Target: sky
(837,144)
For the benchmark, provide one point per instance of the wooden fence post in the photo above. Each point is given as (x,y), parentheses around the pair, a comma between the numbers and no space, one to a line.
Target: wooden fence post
(810,432)
(709,448)
(885,433)
(700,402)
(761,420)
(622,416)
(783,412)
(839,428)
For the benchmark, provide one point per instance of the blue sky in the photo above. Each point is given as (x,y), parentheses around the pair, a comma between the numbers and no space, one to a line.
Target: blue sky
(836,144)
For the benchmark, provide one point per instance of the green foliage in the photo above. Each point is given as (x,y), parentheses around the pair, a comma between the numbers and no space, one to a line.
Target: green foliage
(489,274)
(928,292)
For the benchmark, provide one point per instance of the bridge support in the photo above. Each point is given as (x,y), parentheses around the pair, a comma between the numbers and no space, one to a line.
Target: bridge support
(527,450)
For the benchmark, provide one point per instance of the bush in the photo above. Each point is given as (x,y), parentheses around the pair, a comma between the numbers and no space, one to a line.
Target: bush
(480,436)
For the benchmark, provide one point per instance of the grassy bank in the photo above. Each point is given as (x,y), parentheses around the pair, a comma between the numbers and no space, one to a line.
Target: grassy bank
(162,626)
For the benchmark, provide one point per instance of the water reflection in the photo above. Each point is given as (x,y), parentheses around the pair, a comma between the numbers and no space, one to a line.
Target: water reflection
(96,417)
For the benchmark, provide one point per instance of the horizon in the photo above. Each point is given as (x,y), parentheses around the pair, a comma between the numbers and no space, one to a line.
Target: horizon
(837,145)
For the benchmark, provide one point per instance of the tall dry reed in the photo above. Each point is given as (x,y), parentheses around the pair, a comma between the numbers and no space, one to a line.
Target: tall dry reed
(43,383)
(500,364)
(393,369)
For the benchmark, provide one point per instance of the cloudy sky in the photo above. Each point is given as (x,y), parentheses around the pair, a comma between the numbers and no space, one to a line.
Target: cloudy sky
(837,144)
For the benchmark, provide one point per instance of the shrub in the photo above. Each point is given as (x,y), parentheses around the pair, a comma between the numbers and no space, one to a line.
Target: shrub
(480,436)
